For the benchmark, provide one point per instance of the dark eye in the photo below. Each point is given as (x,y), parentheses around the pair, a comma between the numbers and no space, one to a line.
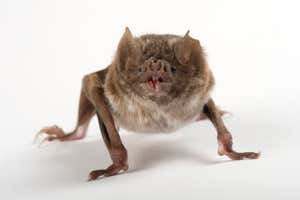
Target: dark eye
(140,69)
(173,69)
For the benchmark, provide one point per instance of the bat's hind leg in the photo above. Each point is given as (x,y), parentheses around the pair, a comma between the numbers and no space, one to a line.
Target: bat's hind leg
(85,114)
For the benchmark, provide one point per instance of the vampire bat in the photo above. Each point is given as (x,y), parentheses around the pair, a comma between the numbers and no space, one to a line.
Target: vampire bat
(155,83)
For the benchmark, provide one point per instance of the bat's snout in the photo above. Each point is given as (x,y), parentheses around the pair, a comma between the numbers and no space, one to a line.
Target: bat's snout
(158,67)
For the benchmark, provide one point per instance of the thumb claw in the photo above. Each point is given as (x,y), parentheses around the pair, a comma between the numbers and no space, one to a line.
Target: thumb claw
(53,133)
(35,139)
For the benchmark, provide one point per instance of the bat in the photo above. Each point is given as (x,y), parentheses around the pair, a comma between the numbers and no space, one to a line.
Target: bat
(155,83)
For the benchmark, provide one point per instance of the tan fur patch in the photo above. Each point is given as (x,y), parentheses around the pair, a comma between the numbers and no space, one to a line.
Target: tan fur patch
(136,114)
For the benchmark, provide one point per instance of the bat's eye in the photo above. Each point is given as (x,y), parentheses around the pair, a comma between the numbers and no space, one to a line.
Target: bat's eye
(173,69)
(140,69)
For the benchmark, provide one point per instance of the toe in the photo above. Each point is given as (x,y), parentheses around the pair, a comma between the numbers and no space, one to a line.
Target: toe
(52,130)
(252,155)
(95,174)
(110,171)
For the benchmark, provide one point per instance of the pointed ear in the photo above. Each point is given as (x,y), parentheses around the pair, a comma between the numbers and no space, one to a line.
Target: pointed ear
(126,48)
(127,36)
(186,48)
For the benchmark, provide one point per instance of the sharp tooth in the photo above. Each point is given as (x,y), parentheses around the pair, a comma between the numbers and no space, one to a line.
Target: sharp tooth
(154,84)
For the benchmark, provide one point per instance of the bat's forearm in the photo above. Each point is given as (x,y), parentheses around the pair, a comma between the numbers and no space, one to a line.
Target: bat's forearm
(224,137)
(111,137)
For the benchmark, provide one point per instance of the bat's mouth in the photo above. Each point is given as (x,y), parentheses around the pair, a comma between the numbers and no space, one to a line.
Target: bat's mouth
(156,85)
(154,82)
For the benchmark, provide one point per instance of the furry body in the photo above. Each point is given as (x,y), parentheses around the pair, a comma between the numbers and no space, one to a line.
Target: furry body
(140,114)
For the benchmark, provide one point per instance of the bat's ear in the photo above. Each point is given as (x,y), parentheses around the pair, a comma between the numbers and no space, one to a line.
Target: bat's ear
(187,49)
(127,36)
(126,48)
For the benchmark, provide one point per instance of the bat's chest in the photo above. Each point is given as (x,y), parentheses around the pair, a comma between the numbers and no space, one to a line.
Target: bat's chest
(139,116)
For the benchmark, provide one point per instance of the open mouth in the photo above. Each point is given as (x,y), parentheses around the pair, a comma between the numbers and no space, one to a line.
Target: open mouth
(154,82)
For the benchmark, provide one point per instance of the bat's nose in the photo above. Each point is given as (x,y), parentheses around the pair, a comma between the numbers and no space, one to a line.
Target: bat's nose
(157,66)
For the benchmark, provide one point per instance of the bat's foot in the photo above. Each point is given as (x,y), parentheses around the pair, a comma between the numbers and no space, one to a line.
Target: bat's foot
(110,171)
(120,163)
(240,156)
(225,148)
(56,133)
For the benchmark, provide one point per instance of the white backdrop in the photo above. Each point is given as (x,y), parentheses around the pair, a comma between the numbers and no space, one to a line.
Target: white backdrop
(253,49)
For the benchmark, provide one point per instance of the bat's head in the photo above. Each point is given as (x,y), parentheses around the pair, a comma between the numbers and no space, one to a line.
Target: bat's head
(159,67)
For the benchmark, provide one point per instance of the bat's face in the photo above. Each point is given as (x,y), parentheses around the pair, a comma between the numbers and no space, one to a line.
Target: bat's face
(159,67)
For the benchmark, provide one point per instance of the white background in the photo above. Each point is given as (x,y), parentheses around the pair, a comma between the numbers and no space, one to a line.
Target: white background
(47,46)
